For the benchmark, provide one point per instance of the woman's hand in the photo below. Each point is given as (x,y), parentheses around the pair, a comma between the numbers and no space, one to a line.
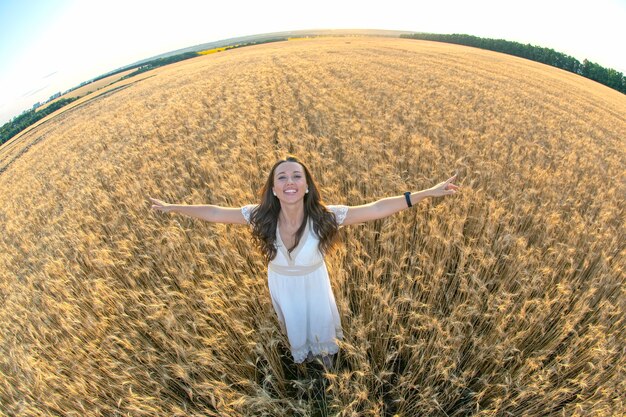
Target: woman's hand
(444,188)
(161,205)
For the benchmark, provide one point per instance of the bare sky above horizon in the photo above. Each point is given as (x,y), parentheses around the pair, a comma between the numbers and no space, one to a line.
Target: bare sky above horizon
(49,46)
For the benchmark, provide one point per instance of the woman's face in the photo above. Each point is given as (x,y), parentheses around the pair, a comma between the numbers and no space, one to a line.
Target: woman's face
(289,182)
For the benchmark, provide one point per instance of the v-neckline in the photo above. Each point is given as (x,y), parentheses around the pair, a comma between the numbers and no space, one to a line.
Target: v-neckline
(291,258)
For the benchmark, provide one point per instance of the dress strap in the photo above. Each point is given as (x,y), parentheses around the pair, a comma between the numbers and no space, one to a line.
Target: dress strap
(295,270)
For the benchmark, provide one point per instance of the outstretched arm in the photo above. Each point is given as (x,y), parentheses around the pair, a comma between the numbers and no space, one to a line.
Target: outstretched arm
(209,213)
(390,205)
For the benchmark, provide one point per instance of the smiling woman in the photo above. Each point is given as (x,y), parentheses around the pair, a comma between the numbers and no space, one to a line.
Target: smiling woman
(294,230)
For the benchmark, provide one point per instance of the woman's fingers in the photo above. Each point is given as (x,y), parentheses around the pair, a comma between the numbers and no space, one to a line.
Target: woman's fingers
(158,204)
(157,201)
(446,187)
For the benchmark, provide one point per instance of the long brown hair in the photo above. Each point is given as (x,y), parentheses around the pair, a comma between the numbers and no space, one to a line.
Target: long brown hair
(264,218)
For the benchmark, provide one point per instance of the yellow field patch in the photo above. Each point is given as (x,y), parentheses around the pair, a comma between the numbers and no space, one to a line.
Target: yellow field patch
(214,50)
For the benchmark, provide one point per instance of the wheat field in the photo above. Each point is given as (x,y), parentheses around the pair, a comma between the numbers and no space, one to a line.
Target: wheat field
(506,299)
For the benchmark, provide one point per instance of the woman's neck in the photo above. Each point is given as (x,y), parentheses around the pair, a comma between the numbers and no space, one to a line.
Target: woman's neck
(291,215)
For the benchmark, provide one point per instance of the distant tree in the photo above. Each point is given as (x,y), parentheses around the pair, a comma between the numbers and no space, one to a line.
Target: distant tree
(27,118)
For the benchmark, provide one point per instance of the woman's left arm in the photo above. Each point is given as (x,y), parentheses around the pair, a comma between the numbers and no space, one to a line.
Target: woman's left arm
(390,205)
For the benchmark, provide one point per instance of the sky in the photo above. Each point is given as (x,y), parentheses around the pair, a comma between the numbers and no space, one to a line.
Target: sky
(50,46)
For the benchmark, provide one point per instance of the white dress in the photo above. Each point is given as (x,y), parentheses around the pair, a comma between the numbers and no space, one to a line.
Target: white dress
(301,293)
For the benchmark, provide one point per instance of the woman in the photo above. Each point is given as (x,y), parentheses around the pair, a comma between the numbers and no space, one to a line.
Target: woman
(294,231)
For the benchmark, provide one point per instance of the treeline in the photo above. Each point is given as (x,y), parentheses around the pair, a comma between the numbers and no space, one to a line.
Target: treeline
(21,122)
(252,43)
(591,70)
(159,62)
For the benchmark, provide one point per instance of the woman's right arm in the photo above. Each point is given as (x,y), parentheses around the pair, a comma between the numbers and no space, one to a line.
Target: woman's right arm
(209,213)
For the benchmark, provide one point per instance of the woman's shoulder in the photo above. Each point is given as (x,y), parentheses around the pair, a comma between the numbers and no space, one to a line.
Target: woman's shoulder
(247,211)
(339,210)
(336,207)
